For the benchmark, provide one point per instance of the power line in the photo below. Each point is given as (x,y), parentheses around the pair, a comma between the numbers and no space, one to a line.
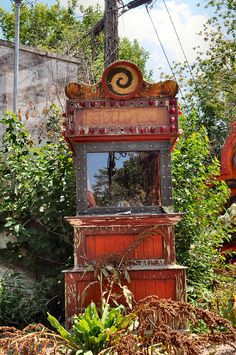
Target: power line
(182,49)
(159,39)
(152,4)
(97,71)
(185,57)
(165,54)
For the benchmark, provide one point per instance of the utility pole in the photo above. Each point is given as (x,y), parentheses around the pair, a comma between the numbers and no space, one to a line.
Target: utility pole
(16,55)
(111,40)
(109,23)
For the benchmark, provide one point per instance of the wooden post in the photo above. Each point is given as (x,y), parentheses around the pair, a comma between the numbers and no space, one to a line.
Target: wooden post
(111,40)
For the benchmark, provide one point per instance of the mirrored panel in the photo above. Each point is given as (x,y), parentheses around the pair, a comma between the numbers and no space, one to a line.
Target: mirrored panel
(123,179)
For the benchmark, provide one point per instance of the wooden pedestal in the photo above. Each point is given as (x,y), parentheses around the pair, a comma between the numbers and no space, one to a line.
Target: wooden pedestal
(152,267)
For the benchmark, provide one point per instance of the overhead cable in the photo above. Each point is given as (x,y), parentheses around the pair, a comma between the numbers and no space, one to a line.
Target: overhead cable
(165,54)
(152,4)
(159,39)
(182,49)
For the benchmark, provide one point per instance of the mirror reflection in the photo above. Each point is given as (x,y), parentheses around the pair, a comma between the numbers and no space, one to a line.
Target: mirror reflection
(123,179)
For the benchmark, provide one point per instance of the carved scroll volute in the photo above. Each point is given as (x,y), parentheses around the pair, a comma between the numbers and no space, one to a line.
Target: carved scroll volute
(121,80)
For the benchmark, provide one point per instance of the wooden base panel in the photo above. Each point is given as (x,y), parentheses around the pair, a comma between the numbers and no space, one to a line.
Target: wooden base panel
(168,283)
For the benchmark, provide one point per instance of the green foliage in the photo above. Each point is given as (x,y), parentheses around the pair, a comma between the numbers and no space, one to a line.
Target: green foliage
(40,25)
(199,194)
(211,88)
(23,301)
(221,299)
(36,192)
(132,51)
(90,332)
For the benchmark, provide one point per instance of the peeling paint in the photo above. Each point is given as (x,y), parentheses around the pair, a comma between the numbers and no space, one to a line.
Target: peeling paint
(149,274)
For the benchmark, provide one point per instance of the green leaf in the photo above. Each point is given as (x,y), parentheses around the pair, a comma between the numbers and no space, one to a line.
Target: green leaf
(17,228)
(83,326)
(61,330)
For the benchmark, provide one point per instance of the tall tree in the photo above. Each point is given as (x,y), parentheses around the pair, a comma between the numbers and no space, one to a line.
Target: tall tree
(211,89)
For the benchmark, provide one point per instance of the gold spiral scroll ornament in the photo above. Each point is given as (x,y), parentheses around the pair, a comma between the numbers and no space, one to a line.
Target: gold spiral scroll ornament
(122,80)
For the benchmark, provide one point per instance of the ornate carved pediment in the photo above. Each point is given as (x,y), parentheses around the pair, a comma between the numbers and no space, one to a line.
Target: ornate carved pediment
(122,80)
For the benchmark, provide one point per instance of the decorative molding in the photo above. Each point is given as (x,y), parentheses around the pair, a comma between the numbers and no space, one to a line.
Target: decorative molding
(121,80)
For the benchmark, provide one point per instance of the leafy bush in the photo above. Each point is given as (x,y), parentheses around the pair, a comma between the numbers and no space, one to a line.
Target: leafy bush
(221,300)
(22,301)
(199,194)
(37,189)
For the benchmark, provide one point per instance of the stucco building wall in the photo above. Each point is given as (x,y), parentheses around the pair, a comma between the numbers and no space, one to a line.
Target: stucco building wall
(42,78)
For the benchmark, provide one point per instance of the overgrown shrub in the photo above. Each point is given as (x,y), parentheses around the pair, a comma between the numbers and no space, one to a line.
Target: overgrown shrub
(147,329)
(37,189)
(199,194)
(221,299)
(23,301)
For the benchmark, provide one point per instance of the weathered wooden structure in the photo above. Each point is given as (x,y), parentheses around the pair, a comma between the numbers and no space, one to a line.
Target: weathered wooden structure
(228,162)
(122,131)
(228,174)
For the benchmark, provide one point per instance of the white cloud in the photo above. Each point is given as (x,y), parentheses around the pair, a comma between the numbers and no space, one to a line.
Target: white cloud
(86,3)
(136,24)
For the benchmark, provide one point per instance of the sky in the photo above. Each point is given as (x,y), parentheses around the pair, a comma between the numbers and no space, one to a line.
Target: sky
(188,19)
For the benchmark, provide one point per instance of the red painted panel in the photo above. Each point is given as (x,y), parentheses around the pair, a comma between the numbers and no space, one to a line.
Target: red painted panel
(105,244)
(170,289)
(92,292)
(140,289)
(143,283)
(160,288)
(97,245)
(151,287)
(151,248)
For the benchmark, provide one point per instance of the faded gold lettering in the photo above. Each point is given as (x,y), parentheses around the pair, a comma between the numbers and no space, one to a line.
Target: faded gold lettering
(110,117)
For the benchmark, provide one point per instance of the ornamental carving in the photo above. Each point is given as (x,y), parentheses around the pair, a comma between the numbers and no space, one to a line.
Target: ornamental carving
(121,80)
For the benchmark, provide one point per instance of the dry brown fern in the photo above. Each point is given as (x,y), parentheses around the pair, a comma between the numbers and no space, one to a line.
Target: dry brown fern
(160,326)
(32,340)
(162,321)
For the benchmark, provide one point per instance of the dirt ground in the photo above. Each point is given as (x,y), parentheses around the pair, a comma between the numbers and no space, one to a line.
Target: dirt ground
(220,350)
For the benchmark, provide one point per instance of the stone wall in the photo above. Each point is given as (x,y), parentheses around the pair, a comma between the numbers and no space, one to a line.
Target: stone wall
(42,78)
